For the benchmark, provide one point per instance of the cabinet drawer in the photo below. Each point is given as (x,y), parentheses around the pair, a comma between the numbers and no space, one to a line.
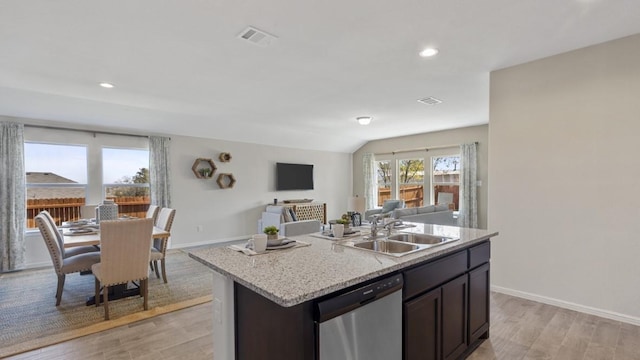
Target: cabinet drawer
(479,254)
(430,275)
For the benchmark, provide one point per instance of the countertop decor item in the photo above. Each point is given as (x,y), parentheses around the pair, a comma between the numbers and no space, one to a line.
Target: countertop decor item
(271,231)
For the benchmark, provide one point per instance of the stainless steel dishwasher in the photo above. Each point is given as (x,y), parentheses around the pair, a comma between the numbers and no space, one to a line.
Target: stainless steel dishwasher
(363,324)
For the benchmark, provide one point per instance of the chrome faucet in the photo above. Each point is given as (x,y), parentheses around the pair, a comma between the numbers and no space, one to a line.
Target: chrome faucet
(374,226)
(389,226)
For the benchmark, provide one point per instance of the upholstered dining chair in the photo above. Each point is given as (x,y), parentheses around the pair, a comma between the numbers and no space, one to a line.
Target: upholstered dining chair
(76,250)
(61,264)
(159,248)
(152,213)
(124,257)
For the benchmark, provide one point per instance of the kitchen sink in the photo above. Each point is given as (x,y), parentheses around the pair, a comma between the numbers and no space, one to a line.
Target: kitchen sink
(424,239)
(384,246)
(400,244)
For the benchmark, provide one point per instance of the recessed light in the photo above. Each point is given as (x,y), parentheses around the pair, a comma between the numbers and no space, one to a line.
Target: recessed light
(107,85)
(364,120)
(428,52)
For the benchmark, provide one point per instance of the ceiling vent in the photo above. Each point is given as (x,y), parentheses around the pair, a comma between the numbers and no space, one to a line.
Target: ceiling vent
(430,101)
(257,37)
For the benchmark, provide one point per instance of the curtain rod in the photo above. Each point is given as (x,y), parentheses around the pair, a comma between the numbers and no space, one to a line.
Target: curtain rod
(94,132)
(420,149)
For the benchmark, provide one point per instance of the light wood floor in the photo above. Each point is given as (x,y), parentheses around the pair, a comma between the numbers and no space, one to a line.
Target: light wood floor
(520,329)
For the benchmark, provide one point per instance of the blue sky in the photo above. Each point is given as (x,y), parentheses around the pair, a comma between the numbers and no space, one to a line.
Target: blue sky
(71,161)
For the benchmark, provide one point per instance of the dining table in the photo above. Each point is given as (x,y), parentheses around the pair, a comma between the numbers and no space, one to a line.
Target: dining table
(91,237)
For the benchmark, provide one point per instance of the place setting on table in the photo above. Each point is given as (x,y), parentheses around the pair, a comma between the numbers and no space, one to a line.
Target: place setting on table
(261,244)
(87,231)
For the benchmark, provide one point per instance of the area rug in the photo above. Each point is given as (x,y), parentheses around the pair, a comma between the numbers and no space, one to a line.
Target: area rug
(29,318)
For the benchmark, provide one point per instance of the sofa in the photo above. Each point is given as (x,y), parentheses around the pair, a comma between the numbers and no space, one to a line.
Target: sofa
(430,214)
(285,220)
(386,210)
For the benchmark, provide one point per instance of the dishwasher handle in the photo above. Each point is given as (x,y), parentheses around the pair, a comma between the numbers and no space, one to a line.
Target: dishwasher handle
(341,304)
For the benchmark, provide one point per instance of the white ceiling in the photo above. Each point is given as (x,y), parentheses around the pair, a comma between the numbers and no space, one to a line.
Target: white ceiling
(179,67)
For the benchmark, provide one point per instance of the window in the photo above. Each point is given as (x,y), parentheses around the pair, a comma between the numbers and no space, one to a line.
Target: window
(446,180)
(406,179)
(125,174)
(383,170)
(56,180)
(411,182)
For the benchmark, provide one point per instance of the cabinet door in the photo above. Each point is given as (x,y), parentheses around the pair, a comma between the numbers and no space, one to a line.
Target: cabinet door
(454,314)
(422,327)
(479,303)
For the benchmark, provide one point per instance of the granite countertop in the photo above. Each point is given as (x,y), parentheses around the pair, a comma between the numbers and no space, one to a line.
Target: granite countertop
(292,276)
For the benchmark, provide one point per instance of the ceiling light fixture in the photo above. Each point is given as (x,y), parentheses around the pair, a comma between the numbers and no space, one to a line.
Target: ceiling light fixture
(428,52)
(107,85)
(364,120)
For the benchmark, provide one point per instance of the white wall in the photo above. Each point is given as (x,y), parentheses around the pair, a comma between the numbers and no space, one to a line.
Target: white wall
(233,213)
(564,170)
(224,214)
(434,139)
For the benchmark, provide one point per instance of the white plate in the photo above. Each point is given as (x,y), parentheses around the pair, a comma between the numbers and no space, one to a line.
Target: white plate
(81,230)
(283,246)
(276,242)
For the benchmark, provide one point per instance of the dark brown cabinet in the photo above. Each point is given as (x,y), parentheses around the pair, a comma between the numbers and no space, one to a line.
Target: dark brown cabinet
(446,309)
(454,312)
(479,303)
(422,319)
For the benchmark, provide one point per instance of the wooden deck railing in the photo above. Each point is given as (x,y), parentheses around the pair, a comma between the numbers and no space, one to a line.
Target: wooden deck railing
(68,209)
(413,196)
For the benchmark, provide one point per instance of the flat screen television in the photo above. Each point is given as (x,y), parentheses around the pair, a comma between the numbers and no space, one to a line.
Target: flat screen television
(294,176)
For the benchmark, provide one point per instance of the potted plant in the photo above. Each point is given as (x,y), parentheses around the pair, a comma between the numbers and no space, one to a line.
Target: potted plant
(344,220)
(204,172)
(272,232)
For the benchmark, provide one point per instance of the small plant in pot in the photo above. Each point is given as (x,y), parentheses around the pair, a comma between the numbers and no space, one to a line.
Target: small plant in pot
(204,172)
(344,220)
(272,232)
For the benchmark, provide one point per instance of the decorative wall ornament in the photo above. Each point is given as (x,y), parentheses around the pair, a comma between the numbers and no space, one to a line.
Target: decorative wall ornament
(225,157)
(204,168)
(226,181)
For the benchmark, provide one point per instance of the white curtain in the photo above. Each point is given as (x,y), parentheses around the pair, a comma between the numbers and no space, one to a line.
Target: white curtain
(13,210)
(369,175)
(468,214)
(159,171)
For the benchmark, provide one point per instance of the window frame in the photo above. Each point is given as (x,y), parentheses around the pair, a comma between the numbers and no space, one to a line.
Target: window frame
(93,143)
(135,185)
(84,186)
(434,183)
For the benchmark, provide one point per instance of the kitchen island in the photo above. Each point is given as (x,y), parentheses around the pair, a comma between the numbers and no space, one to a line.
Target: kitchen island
(264,305)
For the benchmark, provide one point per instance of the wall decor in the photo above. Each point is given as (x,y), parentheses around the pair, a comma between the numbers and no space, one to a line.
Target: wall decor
(226,181)
(225,157)
(204,168)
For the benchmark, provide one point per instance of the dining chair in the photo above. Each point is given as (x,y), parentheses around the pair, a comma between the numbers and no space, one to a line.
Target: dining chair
(76,250)
(159,248)
(124,257)
(61,264)
(152,213)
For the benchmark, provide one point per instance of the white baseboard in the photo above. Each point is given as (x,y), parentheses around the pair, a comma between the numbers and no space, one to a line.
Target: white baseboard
(569,305)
